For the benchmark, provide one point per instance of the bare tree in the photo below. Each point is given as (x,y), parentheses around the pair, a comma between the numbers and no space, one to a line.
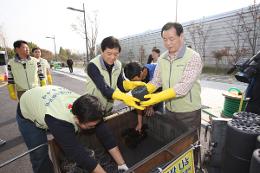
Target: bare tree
(92,32)
(252,30)
(203,33)
(142,54)
(192,31)
(199,34)
(219,54)
(238,38)
(130,55)
(93,40)
(2,39)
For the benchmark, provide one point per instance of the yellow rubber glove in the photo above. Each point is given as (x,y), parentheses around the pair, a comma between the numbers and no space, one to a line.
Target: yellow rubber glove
(129,85)
(12,92)
(150,88)
(43,82)
(158,97)
(49,78)
(127,99)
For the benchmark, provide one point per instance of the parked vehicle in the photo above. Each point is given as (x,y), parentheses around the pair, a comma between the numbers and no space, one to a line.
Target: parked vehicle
(3,66)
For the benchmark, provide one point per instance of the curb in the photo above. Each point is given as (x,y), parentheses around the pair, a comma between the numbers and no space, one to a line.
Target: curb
(2,84)
(72,74)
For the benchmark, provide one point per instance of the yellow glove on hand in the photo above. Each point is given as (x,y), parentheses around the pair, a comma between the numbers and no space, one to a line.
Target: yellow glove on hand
(150,88)
(127,99)
(49,78)
(158,97)
(12,92)
(129,85)
(43,82)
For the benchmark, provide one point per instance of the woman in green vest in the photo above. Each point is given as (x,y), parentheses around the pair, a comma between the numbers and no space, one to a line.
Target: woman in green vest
(104,77)
(178,72)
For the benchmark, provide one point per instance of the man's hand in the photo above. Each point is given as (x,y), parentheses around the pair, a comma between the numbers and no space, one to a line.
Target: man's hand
(43,82)
(122,167)
(127,99)
(129,85)
(49,78)
(150,88)
(12,92)
(158,97)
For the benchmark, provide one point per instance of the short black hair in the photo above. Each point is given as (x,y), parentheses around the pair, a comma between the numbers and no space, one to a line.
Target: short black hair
(18,43)
(35,48)
(132,69)
(178,27)
(111,43)
(88,108)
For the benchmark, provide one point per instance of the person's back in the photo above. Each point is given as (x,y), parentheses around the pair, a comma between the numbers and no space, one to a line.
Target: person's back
(63,113)
(48,101)
(70,65)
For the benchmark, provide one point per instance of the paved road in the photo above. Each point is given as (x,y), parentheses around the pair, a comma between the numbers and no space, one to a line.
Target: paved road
(9,130)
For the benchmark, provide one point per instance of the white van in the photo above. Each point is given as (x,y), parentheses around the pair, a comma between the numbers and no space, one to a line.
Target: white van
(3,66)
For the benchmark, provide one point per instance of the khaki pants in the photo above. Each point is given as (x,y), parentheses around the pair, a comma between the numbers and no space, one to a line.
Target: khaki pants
(19,94)
(187,120)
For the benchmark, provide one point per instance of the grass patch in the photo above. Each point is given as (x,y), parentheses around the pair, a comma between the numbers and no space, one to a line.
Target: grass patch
(214,70)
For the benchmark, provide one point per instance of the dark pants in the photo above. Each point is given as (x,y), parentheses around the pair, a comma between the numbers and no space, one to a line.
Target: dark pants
(33,137)
(71,68)
(254,102)
(187,121)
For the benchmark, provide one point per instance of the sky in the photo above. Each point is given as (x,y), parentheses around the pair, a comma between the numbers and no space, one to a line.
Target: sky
(34,20)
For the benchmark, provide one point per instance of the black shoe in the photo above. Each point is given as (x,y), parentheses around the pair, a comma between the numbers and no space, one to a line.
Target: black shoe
(2,142)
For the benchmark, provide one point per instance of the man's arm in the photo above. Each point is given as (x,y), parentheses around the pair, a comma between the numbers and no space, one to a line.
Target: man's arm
(191,73)
(120,82)
(107,138)
(95,75)
(64,134)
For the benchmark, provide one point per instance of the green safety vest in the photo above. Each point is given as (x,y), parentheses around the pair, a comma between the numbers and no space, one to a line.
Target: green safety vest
(93,90)
(171,73)
(50,99)
(26,77)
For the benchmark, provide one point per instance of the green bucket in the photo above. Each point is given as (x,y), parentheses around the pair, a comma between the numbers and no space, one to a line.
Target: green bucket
(232,102)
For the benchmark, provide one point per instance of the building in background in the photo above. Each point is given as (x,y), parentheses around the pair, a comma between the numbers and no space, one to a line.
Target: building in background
(220,39)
